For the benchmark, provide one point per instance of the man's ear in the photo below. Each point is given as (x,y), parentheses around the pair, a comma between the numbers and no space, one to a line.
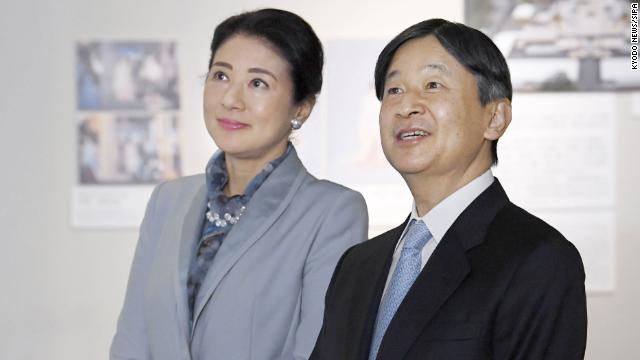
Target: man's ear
(304,109)
(500,119)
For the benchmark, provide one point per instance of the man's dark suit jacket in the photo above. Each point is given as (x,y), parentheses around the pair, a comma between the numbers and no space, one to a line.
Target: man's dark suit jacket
(502,284)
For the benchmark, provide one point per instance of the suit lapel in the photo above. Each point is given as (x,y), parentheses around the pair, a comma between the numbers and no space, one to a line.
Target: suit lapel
(446,269)
(376,269)
(190,234)
(264,208)
(443,273)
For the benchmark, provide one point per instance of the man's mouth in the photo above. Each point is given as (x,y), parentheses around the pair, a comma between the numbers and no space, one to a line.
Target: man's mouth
(411,134)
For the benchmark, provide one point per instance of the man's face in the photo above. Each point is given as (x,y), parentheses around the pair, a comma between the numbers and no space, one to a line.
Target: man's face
(431,119)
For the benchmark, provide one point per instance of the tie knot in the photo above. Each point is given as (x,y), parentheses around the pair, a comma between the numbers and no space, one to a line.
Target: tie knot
(417,235)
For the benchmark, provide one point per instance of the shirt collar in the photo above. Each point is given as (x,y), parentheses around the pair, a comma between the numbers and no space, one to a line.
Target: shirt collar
(217,176)
(443,215)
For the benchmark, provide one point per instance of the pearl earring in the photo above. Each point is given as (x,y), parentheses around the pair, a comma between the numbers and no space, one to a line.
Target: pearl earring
(296,124)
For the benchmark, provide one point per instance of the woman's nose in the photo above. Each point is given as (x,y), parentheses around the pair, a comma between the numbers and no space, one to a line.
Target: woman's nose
(233,98)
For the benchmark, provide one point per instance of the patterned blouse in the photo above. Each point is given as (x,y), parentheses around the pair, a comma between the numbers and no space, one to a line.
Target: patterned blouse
(223,212)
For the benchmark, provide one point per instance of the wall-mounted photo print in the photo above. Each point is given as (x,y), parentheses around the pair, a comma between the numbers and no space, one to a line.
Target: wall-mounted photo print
(560,45)
(127,128)
(127,76)
(127,149)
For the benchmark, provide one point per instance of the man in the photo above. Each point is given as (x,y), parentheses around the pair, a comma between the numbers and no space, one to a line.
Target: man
(469,275)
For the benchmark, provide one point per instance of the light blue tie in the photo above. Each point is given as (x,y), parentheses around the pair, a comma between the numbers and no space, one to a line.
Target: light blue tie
(407,270)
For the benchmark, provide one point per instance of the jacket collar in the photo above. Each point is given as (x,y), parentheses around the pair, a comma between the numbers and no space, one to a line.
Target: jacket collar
(446,269)
(264,208)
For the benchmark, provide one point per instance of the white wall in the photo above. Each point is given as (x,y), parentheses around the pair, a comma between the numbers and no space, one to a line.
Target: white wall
(63,288)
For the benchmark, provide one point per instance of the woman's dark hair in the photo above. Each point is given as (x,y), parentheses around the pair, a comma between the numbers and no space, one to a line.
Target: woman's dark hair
(473,50)
(291,36)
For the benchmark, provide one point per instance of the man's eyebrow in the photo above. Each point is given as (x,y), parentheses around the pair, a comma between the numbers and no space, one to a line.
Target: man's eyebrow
(433,66)
(391,74)
(439,67)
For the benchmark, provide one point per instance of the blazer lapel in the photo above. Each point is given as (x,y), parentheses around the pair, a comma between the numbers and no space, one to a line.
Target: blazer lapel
(264,208)
(446,269)
(190,234)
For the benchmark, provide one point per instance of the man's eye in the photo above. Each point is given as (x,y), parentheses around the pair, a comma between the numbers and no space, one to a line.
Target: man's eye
(433,85)
(394,91)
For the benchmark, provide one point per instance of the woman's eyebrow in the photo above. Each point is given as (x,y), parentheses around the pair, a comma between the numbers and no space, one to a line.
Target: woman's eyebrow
(263,71)
(223,64)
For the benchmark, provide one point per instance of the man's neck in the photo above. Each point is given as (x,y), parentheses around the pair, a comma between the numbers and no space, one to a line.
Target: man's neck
(429,190)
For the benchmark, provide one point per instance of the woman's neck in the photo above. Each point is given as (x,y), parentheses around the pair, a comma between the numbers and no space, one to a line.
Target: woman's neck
(241,171)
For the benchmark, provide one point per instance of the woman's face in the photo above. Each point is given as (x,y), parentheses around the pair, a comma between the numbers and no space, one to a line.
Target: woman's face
(248,99)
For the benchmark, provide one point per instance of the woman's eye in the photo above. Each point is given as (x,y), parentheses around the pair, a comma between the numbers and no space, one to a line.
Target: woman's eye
(219,75)
(258,83)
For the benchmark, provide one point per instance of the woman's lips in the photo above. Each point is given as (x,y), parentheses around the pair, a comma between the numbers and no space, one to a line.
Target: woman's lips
(229,124)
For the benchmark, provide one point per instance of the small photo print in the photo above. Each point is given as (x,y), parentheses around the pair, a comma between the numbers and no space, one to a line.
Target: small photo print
(127,149)
(560,45)
(127,76)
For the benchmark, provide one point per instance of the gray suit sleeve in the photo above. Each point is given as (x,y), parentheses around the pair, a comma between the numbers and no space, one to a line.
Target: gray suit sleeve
(345,224)
(130,341)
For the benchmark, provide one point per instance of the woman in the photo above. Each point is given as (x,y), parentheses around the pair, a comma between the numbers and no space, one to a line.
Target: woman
(234,264)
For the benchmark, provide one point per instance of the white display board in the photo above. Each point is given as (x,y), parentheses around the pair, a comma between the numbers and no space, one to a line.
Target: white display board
(342,140)
(557,160)
(127,129)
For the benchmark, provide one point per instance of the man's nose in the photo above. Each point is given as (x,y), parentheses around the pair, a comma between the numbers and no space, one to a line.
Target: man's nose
(410,105)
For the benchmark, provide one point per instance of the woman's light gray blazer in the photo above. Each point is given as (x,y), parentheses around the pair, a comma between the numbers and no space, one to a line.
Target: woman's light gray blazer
(263,296)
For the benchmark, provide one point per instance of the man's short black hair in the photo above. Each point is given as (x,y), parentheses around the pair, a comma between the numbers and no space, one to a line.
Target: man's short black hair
(473,50)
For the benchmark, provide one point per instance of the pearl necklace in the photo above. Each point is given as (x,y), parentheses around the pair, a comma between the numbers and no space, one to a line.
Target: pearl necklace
(226,219)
